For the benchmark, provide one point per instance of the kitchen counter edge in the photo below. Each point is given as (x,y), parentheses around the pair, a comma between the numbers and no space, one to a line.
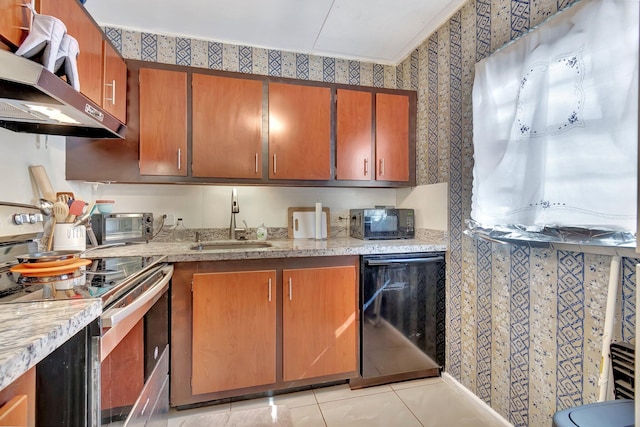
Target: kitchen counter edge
(30,331)
(290,248)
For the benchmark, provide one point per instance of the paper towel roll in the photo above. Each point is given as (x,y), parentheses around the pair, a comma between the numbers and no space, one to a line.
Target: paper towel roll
(318,221)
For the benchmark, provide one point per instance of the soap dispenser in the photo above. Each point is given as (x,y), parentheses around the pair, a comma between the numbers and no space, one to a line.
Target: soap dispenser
(261,232)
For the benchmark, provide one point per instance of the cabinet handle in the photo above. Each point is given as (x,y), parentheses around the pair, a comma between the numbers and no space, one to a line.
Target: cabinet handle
(113,92)
(256,162)
(381,167)
(30,7)
(275,164)
(179,158)
(366,164)
(290,290)
(269,289)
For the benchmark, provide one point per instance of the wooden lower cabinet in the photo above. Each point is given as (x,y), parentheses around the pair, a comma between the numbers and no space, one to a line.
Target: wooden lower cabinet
(234,330)
(319,322)
(18,400)
(238,328)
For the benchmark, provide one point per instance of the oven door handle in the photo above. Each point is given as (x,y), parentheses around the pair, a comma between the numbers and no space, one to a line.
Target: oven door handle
(113,316)
(404,261)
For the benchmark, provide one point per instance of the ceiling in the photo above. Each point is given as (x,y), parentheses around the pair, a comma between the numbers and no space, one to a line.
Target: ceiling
(381,31)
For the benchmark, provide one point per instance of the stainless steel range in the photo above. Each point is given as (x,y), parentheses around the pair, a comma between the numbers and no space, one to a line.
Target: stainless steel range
(127,374)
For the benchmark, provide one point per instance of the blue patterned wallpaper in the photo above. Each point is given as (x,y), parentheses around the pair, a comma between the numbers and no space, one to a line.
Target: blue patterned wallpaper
(252,60)
(524,325)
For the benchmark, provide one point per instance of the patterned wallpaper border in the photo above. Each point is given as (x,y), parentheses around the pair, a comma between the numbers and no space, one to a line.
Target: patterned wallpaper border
(252,60)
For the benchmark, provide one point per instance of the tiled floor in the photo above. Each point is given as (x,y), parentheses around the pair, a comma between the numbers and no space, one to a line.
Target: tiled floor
(431,402)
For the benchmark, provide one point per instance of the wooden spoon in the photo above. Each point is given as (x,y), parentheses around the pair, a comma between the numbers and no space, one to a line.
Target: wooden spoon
(50,241)
(60,211)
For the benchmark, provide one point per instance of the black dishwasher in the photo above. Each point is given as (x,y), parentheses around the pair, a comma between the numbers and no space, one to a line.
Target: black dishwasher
(402,317)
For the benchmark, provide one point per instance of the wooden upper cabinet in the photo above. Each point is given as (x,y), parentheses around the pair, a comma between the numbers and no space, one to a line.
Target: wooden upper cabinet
(319,322)
(14,22)
(354,135)
(163,122)
(392,137)
(89,37)
(114,98)
(234,330)
(299,132)
(227,127)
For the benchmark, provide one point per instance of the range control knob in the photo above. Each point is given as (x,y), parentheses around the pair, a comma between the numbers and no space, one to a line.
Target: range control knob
(20,219)
(35,218)
(24,218)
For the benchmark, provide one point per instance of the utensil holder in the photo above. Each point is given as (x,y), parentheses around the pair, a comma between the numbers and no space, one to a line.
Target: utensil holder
(69,237)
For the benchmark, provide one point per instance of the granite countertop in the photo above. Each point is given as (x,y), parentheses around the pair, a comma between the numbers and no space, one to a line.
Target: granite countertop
(286,248)
(30,331)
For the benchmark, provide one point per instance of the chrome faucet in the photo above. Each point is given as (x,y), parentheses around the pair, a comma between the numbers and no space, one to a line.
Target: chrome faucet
(235,232)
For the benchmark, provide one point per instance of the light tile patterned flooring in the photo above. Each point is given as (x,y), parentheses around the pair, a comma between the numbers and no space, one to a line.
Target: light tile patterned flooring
(431,402)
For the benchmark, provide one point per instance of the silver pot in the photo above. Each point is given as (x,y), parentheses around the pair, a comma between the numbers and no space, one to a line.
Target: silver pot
(48,256)
(62,254)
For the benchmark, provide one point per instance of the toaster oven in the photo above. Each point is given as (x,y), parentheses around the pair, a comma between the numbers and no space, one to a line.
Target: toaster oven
(122,227)
(382,223)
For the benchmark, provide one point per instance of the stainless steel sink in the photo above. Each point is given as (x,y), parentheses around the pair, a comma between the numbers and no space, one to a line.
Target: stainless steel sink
(230,245)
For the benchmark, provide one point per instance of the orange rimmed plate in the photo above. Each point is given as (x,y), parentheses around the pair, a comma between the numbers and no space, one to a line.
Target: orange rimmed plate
(40,271)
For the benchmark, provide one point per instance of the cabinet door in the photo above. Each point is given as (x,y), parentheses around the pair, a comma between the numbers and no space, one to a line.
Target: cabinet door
(392,137)
(18,401)
(319,322)
(354,137)
(227,127)
(163,122)
(299,132)
(89,38)
(14,413)
(122,373)
(14,22)
(115,83)
(234,330)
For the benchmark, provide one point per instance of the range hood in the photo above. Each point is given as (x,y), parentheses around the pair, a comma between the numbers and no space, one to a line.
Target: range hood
(34,100)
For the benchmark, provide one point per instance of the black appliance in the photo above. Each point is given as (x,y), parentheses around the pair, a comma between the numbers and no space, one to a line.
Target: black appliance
(118,371)
(121,227)
(402,317)
(382,223)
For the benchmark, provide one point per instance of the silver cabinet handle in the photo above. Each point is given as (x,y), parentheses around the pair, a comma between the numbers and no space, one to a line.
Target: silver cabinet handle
(275,164)
(179,158)
(290,290)
(256,162)
(381,167)
(269,289)
(113,92)
(366,164)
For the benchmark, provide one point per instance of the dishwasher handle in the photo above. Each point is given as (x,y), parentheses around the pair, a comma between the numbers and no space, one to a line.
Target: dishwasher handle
(393,261)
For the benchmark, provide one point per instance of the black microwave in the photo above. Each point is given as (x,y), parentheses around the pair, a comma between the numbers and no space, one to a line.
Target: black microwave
(382,223)
(122,227)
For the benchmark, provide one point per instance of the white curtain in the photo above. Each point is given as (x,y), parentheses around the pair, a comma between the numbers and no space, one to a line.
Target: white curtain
(555,123)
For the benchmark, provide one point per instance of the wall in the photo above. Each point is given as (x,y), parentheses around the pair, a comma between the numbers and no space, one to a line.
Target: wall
(524,324)
(18,151)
